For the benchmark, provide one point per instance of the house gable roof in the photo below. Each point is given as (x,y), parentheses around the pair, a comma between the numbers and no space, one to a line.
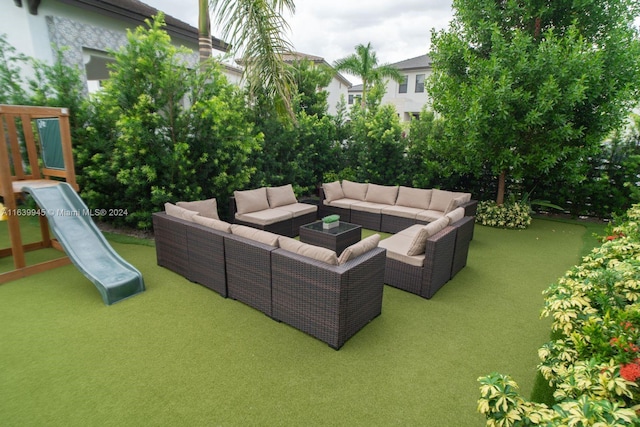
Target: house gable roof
(136,12)
(417,63)
(298,56)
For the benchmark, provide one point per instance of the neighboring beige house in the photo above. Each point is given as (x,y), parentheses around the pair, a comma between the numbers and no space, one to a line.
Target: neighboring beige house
(409,96)
(339,86)
(88,29)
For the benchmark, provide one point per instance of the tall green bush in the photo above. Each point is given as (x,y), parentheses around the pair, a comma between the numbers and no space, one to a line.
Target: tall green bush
(161,132)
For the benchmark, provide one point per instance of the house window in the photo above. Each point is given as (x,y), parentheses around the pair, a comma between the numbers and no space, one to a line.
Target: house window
(420,83)
(350,99)
(402,88)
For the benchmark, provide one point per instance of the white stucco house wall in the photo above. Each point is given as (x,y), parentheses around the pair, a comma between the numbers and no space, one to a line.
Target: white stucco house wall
(88,29)
(338,87)
(410,96)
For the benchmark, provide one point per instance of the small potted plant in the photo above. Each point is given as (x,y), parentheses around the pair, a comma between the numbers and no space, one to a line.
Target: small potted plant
(330,221)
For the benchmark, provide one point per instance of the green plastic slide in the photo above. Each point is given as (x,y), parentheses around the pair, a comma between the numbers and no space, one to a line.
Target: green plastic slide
(72,224)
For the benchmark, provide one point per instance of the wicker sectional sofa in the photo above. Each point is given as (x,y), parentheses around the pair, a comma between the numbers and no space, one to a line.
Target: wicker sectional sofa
(390,208)
(273,209)
(307,287)
(432,229)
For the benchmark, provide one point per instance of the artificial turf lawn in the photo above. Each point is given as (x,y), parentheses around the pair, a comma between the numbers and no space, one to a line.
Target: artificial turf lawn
(179,354)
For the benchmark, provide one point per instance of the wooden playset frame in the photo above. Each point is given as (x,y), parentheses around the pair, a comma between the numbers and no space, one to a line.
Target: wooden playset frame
(14,176)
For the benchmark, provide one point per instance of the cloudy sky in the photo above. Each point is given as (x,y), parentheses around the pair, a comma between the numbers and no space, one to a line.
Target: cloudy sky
(397,29)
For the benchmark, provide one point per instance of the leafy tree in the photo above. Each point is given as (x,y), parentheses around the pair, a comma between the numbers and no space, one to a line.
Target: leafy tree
(145,145)
(528,86)
(364,64)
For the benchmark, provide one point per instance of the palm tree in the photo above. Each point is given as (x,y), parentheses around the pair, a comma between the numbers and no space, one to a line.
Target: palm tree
(255,29)
(364,64)
(204,31)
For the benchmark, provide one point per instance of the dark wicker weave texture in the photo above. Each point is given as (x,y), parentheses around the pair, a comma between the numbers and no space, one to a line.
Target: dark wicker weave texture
(206,258)
(248,266)
(331,303)
(171,243)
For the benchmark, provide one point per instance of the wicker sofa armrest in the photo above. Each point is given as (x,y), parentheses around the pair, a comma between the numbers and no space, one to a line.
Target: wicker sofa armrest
(170,235)
(470,208)
(438,261)
(329,302)
(464,234)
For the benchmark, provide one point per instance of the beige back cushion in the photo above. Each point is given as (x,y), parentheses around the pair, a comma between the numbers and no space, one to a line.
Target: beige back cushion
(357,249)
(207,208)
(458,200)
(315,252)
(332,191)
(440,200)
(216,224)
(418,198)
(251,200)
(455,215)
(419,242)
(179,212)
(354,190)
(384,194)
(281,196)
(261,236)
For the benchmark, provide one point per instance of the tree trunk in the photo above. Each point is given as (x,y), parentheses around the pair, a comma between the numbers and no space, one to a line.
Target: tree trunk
(204,31)
(501,184)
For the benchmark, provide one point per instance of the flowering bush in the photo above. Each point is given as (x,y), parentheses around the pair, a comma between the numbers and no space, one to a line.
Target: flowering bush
(508,215)
(594,365)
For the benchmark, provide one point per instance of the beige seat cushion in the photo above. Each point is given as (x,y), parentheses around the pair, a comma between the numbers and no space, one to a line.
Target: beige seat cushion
(357,249)
(354,190)
(455,215)
(251,200)
(384,194)
(397,246)
(299,209)
(368,207)
(419,242)
(207,208)
(261,236)
(332,191)
(414,197)
(179,212)
(401,211)
(265,217)
(281,196)
(440,200)
(429,215)
(344,203)
(315,252)
(216,224)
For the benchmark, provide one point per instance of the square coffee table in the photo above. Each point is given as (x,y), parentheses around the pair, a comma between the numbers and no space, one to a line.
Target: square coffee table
(337,238)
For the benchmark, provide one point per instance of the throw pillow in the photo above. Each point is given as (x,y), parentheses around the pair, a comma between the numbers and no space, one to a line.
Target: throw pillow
(281,196)
(251,200)
(216,224)
(332,191)
(455,215)
(357,249)
(207,208)
(261,236)
(179,212)
(419,242)
(315,252)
